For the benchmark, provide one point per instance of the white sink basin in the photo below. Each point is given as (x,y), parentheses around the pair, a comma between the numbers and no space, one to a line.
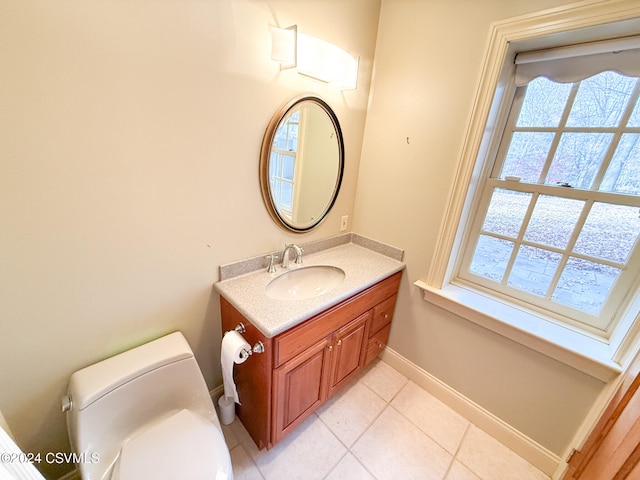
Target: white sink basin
(305,282)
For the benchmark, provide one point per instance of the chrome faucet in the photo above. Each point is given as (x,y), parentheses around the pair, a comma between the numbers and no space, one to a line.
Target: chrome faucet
(285,255)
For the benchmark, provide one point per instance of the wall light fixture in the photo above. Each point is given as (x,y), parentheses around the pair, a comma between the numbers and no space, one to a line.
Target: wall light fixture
(314,57)
(284,46)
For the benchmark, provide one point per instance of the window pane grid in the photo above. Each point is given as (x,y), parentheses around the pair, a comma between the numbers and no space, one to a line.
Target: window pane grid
(519,237)
(564,192)
(283,164)
(561,251)
(560,132)
(584,156)
(624,122)
(520,243)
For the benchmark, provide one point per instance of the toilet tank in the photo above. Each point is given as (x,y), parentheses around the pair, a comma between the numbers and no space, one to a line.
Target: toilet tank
(113,399)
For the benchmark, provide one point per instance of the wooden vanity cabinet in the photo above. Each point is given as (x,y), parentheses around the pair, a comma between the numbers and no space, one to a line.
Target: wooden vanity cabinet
(347,356)
(305,365)
(303,383)
(380,327)
(300,387)
(252,378)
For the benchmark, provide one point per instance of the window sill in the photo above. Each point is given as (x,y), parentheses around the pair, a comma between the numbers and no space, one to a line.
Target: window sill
(575,349)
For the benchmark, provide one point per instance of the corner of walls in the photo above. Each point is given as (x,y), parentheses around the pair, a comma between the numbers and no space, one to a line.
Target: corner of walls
(420,104)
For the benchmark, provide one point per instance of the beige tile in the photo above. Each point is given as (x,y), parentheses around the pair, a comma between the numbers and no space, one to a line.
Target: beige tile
(243,466)
(383,380)
(431,416)
(234,433)
(310,452)
(460,472)
(491,460)
(395,448)
(350,413)
(412,438)
(349,468)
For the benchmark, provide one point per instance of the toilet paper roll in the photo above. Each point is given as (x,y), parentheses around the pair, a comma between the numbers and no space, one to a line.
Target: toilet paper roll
(232,346)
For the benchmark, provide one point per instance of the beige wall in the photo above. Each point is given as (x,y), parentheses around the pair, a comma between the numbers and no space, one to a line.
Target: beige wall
(316,177)
(429,56)
(129,144)
(129,139)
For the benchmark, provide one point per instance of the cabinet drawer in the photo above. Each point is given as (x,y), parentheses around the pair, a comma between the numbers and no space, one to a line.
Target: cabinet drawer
(294,341)
(382,314)
(377,342)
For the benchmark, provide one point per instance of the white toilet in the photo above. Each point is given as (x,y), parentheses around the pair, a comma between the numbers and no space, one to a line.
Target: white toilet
(146,413)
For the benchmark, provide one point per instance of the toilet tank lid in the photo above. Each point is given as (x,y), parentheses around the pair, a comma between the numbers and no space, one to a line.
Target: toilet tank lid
(93,382)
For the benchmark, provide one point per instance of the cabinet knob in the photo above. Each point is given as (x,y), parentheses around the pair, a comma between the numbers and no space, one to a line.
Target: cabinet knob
(339,342)
(330,347)
(386,316)
(381,345)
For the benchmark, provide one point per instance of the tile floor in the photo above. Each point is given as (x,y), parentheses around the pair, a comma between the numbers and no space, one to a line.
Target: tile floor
(381,426)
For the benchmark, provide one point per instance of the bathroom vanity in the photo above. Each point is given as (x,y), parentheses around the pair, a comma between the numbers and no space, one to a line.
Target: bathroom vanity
(312,347)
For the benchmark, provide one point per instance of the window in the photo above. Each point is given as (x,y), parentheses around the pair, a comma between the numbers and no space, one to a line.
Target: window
(282,164)
(558,219)
(498,144)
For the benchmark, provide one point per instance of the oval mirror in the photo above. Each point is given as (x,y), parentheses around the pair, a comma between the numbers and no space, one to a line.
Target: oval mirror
(301,163)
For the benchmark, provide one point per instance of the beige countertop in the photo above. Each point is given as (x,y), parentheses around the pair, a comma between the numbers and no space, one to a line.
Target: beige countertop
(363,268)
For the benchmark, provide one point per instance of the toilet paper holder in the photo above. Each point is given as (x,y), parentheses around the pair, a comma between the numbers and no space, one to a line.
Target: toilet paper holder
(258,347)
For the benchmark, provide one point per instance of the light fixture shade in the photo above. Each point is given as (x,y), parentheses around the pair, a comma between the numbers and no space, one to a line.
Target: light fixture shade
(284,46)
(314,57)
(326,62)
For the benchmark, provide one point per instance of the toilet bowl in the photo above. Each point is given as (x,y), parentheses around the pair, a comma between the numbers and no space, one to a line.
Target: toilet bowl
(146,413)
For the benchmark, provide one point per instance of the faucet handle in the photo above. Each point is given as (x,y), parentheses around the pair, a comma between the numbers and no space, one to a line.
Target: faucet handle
(271,268)
(299,256)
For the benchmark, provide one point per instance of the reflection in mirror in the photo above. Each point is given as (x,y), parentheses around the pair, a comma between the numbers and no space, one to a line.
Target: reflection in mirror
(301,163)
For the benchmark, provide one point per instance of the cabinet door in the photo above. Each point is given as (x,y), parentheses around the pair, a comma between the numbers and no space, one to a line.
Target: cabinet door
(348,352)
(300,386)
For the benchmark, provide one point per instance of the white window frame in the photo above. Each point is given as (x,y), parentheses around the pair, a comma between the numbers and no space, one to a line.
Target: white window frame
(576,23)
(605,323)
(289,213)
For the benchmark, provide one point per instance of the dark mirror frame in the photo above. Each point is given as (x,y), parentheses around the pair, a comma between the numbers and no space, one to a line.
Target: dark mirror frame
(265,157)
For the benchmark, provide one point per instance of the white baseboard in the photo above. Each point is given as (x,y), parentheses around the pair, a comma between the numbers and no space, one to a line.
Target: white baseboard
(216,393)
(533,452)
